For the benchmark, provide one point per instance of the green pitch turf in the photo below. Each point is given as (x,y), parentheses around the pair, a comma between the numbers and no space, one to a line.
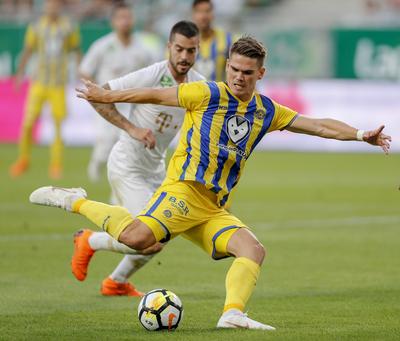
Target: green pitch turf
(330,223)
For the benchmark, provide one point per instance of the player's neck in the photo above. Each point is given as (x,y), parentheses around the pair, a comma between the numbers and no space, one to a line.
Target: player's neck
(207,33)
(124,38)
(178,77)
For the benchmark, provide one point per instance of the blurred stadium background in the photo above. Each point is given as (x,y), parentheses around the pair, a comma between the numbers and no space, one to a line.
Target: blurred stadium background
(330,221)
(339,59)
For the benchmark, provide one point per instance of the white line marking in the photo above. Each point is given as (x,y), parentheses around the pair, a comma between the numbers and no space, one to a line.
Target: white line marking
(329,222)
(322,223)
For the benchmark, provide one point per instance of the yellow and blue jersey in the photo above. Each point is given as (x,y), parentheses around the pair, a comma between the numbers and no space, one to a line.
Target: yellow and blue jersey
(219,134)
(213,54)
(52,42)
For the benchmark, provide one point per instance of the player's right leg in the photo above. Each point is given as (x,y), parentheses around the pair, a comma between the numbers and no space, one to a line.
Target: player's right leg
(132,188)
(33,107)
(112,219)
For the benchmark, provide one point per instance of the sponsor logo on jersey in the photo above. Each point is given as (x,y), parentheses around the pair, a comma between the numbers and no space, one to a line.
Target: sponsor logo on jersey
(179,204)
(234,149)
(166,81)
(238,128)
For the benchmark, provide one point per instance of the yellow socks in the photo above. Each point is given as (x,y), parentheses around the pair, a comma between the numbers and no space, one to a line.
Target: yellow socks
(240,282)
(112,219)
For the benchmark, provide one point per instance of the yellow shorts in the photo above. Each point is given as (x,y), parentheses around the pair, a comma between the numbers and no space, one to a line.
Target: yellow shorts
(38,95)
(187,208)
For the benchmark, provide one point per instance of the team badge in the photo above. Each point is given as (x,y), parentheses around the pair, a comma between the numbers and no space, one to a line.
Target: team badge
(166,81)
(260,114)
(238,128)
(167,213)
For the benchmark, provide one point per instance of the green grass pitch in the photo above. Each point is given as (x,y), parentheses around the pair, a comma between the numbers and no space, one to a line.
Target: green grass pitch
(330,223)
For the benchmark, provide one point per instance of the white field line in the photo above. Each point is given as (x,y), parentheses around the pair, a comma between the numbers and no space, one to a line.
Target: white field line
(328,222)
(35,237)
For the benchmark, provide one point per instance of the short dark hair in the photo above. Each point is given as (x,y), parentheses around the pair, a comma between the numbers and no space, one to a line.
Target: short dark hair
(198,2)
(184,27)
(119,5)
(249,47)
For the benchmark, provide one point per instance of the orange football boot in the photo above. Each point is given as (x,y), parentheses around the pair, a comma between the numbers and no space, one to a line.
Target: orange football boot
(82,254)
(19,167)
(109,287)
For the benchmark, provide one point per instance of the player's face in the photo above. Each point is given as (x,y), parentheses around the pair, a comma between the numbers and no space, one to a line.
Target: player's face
(53,7)
(203,16)
(122,21)
(182,53)
(242,74)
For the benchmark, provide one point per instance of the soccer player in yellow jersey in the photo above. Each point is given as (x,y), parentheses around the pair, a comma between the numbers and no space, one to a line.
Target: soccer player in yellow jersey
(223,124)
(52,37)
(214,42)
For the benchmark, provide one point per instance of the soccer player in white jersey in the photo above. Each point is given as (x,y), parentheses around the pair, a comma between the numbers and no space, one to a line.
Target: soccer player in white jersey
(109,57)
(134,171)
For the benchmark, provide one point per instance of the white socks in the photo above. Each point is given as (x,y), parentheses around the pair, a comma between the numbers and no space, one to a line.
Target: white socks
(131,263)
(128,266)
(103,241)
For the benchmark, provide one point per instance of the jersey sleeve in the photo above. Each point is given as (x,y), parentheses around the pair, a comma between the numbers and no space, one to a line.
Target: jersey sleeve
(283,117)
(142,78)
(192,95)
(31,38)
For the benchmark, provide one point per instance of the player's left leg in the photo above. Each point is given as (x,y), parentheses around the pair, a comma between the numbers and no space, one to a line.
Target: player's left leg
(224,235)
(59,111)
(34,103)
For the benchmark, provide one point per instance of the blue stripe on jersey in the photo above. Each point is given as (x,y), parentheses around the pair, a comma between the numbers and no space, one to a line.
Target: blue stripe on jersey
(206,122)
(214,54)
(223,140)
(234,171)
(189,156)
(224,199)
(216,236)
(158,202)
(269,107)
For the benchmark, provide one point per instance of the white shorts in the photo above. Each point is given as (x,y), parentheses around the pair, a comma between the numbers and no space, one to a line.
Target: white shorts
(132,187)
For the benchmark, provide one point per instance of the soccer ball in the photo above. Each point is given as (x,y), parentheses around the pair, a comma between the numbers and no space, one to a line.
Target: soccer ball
(160,309)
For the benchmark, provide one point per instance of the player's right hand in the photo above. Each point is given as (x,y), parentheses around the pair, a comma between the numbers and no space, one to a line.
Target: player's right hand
(144,135)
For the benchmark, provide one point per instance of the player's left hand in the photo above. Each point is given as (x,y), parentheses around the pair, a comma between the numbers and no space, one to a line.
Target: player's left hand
(377,138)
(93,92)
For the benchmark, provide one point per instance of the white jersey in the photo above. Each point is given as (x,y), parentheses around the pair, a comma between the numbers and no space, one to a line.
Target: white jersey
(164,121)
(107,58)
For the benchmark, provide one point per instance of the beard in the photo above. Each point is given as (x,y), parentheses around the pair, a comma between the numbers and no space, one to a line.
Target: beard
(175,66)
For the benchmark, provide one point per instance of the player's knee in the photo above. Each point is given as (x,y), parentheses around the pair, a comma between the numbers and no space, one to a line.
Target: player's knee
(137,236)
(259,252)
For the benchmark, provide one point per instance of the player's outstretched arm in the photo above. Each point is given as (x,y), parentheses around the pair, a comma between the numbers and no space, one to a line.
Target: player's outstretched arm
(95,93)
(334,129)
(109,112)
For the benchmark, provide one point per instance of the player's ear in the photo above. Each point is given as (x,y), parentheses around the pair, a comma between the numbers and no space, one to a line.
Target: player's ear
(261,72)
(227,65)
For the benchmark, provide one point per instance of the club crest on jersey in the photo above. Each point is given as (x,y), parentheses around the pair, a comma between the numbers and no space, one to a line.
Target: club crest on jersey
(238,128)
(260,114)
